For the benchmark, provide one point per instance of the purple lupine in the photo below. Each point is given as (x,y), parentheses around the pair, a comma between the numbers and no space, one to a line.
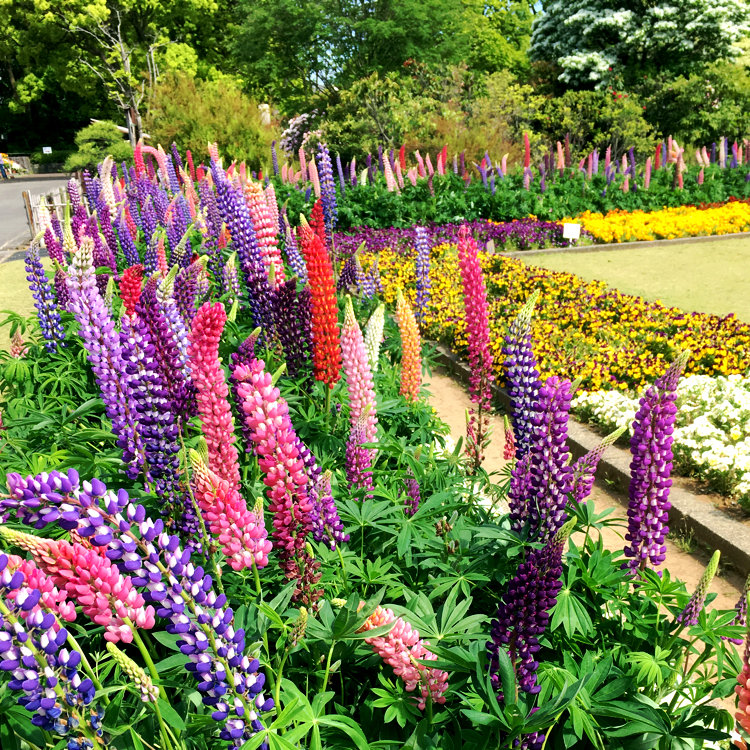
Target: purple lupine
(690,614)
(521,376)
(167,333)
(413,495)
(53,690)
(97,329)
(349,276)
(74,193)
(540,488)
(523,616)
(740,609)
(78,222)
(174,183)
(292,313)
(229,682)
(327,525)
(129,249)
(584,469)
(178,221)
(150,257)
(44,300)
(62,293)
(176,154)
(650,470)
(422,247)
(149,220)
(108,232)
(380,160)
(186,291)
(91,187)
(327,188)
(274,159)
(158,425)
(340,170)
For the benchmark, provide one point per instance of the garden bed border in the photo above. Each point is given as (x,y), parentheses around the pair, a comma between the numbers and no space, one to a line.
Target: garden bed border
(709,525)
(621,245)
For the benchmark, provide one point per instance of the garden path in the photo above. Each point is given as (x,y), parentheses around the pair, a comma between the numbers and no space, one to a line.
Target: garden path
(450,401)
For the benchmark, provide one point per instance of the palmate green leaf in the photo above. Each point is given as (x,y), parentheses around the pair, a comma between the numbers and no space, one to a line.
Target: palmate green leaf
(570,612)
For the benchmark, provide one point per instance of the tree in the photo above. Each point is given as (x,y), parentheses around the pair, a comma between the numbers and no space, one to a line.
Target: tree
(593,40)
(95,143)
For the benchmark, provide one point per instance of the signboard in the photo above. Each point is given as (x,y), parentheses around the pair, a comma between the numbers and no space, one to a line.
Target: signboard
(571,231)
(46,149)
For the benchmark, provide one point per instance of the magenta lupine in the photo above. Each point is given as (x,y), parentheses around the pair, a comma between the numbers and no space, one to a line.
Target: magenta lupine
(740,609)
(274,442)
(212,391)
(358,457)
(540,484)
(521,375)
(651,469)
(413,495)
(480,354)
(97,329)
(359,382)
(326,523)
(230,682)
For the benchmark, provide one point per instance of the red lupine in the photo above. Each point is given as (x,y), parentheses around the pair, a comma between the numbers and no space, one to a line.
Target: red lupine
(131,287)
(326,346)
(317,222)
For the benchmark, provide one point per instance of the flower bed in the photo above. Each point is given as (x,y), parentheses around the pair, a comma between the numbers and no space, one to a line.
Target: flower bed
(245,514)
(712,434)
(667,224)
(581,329)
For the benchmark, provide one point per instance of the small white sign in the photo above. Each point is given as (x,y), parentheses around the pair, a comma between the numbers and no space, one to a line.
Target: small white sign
(46,149)
(571,231)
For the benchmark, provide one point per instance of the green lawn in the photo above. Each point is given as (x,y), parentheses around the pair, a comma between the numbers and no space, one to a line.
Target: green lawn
(14,294)
(707,277)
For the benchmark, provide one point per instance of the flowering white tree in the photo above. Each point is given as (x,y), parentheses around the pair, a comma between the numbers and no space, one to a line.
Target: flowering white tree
(593,40)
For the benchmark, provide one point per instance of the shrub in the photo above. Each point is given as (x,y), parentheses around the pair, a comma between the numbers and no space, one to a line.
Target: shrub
(95,142)
(195,112)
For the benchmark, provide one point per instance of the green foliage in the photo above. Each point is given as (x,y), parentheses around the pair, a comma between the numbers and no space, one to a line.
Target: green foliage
(95,142)
(194,112)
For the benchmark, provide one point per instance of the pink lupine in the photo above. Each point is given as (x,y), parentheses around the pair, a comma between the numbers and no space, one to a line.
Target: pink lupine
(314,178)
(266,229)
(284,172)
(399,175)
(358,374)
(560,157)
(504,164)
(53,599)
(480,353)
(161,257)
(274,441)
(302,161)
(240,531)
(91,580)
(647,175)
(626,184)
(402,649)
(428,162)
(701,176)
(390,180)
(212,391)
(526,151)
(412,175)
(273,205)
(420,164)
(607,158)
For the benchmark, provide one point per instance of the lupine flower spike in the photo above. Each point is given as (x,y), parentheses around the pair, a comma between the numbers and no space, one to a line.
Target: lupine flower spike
(743,690)
(411,350)
(689,615)
(403,650)
(480,354)
(374,336)
(584,469)
(651,469)
(741,609)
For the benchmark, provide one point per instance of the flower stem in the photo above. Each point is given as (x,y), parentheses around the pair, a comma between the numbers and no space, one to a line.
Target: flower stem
(343,568)
(328,668)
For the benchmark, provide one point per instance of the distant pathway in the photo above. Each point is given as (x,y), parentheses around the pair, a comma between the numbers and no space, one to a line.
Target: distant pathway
(14,230)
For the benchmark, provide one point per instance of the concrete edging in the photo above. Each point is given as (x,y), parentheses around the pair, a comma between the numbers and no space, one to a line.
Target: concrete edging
(710,526)
(622,245)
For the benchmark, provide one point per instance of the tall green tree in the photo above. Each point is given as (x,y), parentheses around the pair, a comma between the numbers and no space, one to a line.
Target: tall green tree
(592,41)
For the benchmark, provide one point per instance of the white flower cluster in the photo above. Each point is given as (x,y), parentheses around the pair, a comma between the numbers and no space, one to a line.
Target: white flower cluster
(712,435)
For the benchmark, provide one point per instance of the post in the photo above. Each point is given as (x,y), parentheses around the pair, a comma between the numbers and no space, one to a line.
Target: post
(29,212)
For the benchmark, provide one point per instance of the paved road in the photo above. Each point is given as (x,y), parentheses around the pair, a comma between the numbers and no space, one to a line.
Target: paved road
(14,230)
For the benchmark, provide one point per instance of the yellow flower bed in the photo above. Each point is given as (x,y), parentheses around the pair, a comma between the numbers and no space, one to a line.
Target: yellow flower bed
(581,329)
(667,224)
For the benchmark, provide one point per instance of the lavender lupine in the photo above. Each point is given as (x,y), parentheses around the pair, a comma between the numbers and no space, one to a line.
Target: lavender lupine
(229,682)
(740,609)
(540,485)
(690,614)
(327,188)
(521,375)
(523,616)
(97,329)
(293,255)
(340,170)
(44,300)
(46,673)
(422,246)
(129,249)
(292,313)
(650,470)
